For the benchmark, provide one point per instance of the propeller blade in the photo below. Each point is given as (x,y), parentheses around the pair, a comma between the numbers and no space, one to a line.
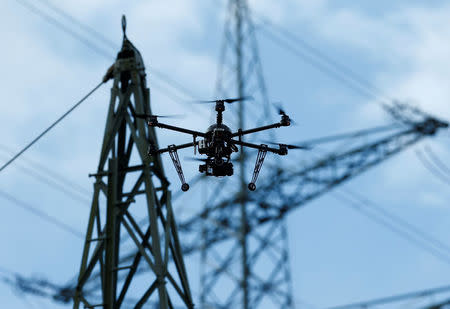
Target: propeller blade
(146,116)
(232,100)
(238,99)
(303,147)
(195,159)
(279,107)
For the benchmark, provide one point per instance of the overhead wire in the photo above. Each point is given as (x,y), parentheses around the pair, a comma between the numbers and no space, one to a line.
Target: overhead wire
(401,222)
(383,220)
(41,214)
(395,298)
(285,39)
(395,224)
(87,28)
(54,184)
(37,138)
(345,70)
(345,75)
(53,21)
(435,171)
(347,135)
(45,171)
(85,41)
(437,161)
(168,81)
(94,46)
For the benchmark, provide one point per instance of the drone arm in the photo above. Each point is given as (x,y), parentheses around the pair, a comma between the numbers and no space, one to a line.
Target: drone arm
(170,148)
(259,129)
(173,128)
(259,147)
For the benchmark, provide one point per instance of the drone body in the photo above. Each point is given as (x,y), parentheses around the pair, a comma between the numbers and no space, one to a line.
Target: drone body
(217,144)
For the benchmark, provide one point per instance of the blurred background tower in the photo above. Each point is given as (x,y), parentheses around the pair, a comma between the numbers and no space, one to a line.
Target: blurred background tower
(251,268)
(131,207)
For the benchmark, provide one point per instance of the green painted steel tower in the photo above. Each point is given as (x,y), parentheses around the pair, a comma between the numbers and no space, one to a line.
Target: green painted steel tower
(131,207)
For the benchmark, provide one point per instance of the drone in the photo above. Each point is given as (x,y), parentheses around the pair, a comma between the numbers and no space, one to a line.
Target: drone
(218,143)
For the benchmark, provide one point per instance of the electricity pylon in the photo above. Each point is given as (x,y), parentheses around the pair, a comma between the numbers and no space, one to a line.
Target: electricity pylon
(252,269)
(129,184)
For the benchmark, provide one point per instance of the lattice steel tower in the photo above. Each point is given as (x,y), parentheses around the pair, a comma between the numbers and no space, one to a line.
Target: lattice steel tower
(131,187)
(251,269)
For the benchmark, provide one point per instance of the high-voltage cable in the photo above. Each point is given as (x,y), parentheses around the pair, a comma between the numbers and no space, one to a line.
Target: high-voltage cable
(395,224)
(395,298)
(84,199)
(401,222)
(347,135)
(437,161)
(94,44)
(360,207)
(50,127)
(347,74)
(41,214)
(435,171)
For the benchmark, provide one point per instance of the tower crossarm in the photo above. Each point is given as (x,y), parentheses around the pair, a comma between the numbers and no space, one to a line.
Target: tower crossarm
(304,183)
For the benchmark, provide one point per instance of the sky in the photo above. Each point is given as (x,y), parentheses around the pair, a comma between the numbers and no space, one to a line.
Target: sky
(337,256)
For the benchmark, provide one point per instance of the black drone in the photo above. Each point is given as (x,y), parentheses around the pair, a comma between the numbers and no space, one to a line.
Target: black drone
(218,143)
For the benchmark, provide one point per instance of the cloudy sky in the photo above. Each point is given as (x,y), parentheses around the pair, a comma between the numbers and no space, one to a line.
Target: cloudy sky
(337,255)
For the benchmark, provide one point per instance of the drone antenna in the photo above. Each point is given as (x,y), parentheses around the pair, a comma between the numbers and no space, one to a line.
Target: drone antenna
(124,26)
(220,107)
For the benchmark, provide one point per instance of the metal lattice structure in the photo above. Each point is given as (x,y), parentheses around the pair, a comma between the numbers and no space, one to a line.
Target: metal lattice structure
(130,185)
(252,268)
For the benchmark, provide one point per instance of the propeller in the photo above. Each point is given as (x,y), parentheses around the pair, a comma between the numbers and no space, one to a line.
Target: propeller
(279,107)
(229,101)
(302,147)
(195,159)
(147,116)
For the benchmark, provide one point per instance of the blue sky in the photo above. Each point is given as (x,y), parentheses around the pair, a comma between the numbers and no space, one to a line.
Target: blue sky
(337,255)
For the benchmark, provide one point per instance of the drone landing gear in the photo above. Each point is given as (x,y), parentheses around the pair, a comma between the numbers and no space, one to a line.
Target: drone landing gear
(176,162)
(259,162)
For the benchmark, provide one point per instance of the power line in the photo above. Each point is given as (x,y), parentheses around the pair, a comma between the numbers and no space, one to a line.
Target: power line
(53,21)
(75,21)
(55,184)
(50,127)
(350,135)
(321,66)
(407,235)
(95,47)
(49,173)
(437,161)
(401,222)
(41,214)
(396,298)
(431,168)
(317,53)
